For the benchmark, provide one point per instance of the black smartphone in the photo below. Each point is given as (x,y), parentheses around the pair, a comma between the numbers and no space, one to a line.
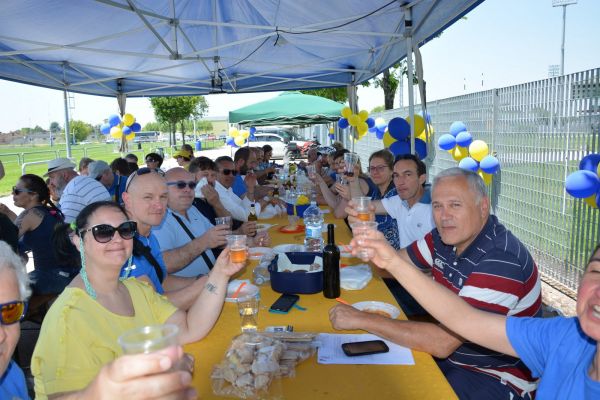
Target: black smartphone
(365,348)
(284,303)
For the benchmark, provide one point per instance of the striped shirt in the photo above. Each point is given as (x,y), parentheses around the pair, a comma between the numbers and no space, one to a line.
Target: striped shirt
(80,192)
(495,273)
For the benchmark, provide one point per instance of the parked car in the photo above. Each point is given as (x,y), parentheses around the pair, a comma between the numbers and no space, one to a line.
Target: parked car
(277,142)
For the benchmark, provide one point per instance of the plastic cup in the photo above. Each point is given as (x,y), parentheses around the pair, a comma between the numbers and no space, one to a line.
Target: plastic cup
(248,308)
(363,208)
(149,339)
(311,171)
(360,229)
(224,221)
(238,248)
(350,160)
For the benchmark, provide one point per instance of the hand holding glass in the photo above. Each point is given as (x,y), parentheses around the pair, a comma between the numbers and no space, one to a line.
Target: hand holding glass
(363,208)
(224,221)
(360,229)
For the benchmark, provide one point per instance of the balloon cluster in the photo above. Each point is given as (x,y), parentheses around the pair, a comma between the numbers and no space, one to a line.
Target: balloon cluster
(238,138)
(397,136)
(117,127)
(360,121)
(585,183)
(331,134)
(470,154)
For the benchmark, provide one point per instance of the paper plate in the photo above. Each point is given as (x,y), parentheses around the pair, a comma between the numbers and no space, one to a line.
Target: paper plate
(299,228)
(248,290)
(288,248)
(255,253)
(378,307)
(263,227)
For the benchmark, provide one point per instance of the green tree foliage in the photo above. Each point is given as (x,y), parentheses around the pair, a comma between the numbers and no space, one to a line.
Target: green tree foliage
(175,110)
(80,130)
(55,127)
(338,94)
(378,109)
(156,126)
(389,80)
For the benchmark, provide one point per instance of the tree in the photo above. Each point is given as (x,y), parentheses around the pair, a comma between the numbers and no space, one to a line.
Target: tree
(55,127)
(156,126)
(389,80)
(174,110)
(80,130)
(338,94)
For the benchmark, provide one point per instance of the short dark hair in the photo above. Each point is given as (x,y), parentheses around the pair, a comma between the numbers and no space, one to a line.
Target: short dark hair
(385,155)
(421,167)
(156,157)
(132,156)
(243,153)
(202,164)
(221,159)
(267,147)
(187,147)
(84,162)
(121,166)
(340,153)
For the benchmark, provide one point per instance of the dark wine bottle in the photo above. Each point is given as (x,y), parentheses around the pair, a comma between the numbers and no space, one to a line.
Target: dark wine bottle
(331,266)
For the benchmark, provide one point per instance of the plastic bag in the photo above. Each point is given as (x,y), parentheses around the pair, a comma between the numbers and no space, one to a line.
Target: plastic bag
(355,277)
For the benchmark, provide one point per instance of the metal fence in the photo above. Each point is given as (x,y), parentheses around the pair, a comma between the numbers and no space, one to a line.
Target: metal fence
(540,131)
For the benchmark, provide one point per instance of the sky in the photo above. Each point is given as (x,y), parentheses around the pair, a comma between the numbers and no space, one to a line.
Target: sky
(500,43)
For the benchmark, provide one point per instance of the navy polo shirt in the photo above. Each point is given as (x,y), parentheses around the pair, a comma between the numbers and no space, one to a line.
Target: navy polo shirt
(141,266)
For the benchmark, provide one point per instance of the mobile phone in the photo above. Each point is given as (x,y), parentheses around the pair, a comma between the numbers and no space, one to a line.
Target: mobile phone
(284,303)
(365,348)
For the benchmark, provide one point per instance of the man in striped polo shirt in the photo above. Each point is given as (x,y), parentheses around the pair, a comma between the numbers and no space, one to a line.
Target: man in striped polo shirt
(476,257)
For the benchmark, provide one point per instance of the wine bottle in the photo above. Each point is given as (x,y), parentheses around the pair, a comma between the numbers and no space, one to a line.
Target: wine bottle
(252,215)
(331,266)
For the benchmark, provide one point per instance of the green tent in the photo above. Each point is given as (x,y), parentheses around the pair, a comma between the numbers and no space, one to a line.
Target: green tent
(289,108)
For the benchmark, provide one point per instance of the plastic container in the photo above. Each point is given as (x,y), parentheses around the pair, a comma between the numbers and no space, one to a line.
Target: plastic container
(296,283)
(198,145)
(296,210)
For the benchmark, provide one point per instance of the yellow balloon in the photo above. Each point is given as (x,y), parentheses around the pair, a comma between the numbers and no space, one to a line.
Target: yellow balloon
(245,134)
(419,123)
(362,128)
(239,140)
(591,201)
(116,132)
(346,112)
(387,139)
(128,119)
(598,169)
(363,115)
(130,136)
(478,150)
(354,120)
(458,153)
(431,130)
(330,130)
(423,137)
(233,132)
(487,178)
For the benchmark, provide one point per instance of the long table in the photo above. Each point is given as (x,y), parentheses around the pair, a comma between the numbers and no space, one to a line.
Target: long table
(315,381)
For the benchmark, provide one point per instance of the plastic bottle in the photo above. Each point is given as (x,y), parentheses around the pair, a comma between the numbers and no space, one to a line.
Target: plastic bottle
(331,266)
(313,221)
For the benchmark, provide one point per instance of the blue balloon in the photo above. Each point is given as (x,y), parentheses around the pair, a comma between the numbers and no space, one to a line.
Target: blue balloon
(251,138)
(114,120)
(331,136)
(446,142)
(343,123)
(457,127)
(400,147)
(590,162)
(469,163)
(379,134)
(373,129)
(421,148)
(370,122)
(489,165)
(582,184)
(427,117)
(252,130)
(381,127)
(398,128)
(105,129)
(136,127)
(126,130)
(230,141)
(464,139)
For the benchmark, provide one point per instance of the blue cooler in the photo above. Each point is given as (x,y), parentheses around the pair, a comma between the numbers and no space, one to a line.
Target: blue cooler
(296,282)
(296,210)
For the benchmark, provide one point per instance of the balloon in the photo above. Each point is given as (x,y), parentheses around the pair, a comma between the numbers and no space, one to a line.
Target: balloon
(469,164)
(464,139)
(373,129)
(363,115)
(233,132)
(478,149)
(245,134)
(591,201)
(489,165)
(105,128)
(379,134)
(354,120)
(387,139)
(230,141)
(457,127)
(343,123)
(130,136)
(590,162)
(128,119)
(370,122)
(446,142)
(362,128)
(582,184)
(346,112)
(331,130)
(419,122)
(427,117)
(331,136)
(252,130)
(116,132)
(114,120)
(399,128)
(422,136)
(240,140)
(136,127)
(400,147)
(487,178)
(458,153)
(421,148)
(380,124)
(126,130)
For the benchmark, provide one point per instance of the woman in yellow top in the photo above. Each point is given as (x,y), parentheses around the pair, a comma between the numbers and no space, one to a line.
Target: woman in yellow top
(79,333)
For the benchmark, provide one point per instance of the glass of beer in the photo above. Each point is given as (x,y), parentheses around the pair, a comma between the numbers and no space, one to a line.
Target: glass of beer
(361,229)
(248,309)
(363,205)
(350,161)
(238,248)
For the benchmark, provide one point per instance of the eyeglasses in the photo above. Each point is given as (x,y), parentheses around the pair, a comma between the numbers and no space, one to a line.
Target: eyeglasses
(13,312)
(103,233)
(150,160)
(142,171)
(17,191)
(227,171)
(182,184)
(378,168)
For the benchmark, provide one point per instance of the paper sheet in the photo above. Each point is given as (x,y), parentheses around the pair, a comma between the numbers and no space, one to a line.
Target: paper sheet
(330,351)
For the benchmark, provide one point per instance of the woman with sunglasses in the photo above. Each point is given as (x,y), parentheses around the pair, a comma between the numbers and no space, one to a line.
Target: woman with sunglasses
(153,160)
(36,226)
(79,334)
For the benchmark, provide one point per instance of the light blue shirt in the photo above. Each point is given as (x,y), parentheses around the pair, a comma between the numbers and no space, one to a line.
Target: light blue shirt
(171,235)
(12,383)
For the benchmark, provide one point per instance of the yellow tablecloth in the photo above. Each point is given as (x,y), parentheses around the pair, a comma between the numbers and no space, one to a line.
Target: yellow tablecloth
(314,381)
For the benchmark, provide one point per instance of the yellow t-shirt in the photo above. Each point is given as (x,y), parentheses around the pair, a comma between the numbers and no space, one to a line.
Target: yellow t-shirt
(79,336)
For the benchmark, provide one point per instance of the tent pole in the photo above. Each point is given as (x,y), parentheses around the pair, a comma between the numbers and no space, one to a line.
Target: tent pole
(67,127)
(122,100)
(353,102)
(409,64)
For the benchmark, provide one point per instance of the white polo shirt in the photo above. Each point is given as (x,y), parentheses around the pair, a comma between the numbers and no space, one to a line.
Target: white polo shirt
(413,222)
(239,208)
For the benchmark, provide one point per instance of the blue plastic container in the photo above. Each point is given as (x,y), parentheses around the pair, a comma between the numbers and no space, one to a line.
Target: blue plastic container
(296,282)
(296,210)
(198,145)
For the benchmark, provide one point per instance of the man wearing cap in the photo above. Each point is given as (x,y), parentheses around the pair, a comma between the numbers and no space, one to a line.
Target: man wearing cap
(183,158)
(75,192)
(115,184)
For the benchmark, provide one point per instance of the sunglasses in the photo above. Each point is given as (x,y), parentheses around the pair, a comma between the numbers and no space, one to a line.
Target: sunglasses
(17,191)
(142,171)
(183,184)
(229,171)
(149,160)
(13,312)
(103,233)
(378,168)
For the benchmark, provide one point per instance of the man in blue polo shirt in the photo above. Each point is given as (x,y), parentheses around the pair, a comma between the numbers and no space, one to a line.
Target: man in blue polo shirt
(115,184)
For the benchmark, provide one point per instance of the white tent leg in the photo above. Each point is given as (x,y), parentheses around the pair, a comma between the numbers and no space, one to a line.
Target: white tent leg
(122,100)
(67,127)
(409,63)
(353,102)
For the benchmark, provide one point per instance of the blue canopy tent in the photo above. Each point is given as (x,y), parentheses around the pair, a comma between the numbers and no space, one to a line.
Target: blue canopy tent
(134,48)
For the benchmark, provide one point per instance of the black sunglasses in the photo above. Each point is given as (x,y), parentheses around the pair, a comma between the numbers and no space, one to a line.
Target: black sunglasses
(183,184)
(103,233)
(17,191)
(13,312)
(142,171)
(149,160)
(227,171)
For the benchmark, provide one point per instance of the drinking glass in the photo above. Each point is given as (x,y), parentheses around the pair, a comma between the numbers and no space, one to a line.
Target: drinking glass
(149,339)
(362,207)
(248,308)
(311,170)
(224,221)
(360,229)
(238,248)
(350,160)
